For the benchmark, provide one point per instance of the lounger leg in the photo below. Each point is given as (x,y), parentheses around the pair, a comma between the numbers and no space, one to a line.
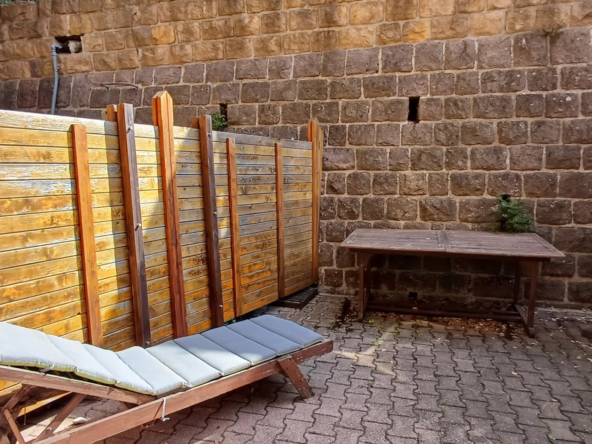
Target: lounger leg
(291,370)
(13,426)
(60,417)
(9,415)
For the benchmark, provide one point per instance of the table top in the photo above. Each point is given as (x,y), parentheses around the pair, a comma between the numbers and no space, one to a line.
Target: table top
(452,243)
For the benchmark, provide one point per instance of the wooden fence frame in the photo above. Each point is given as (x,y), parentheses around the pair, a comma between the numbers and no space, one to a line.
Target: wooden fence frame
(123,116)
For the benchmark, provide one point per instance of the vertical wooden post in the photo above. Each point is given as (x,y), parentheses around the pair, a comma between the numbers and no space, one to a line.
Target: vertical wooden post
(87,235)
(133,222)
(112,113)
(234,226)
(279,204)
(162,113)
(315,136)
(211,219)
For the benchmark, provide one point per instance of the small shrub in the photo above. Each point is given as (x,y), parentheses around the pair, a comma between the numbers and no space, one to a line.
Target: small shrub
(219,122)
(510,217)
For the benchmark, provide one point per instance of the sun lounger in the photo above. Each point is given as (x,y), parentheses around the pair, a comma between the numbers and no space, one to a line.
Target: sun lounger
(152,382)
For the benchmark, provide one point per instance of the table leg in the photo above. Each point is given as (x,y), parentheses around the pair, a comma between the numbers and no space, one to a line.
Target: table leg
(363,260)
(517,279)
(532,270)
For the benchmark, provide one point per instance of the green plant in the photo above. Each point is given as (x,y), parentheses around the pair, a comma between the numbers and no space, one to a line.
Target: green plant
(510,216)
(219,122)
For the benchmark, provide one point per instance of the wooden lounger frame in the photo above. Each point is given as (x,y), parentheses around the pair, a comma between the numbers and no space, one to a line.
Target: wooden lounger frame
(141,409)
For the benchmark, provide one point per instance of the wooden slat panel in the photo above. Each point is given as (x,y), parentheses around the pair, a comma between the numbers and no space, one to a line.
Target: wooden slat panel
(211,219)
(234,226)
(87,235)
(162,109)
(315,136)
(133,223)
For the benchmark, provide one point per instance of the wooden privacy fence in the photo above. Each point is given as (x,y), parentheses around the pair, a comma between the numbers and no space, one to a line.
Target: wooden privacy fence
(123,234)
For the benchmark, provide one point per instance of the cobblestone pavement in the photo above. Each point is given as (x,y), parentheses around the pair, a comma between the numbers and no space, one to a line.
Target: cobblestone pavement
(404,380)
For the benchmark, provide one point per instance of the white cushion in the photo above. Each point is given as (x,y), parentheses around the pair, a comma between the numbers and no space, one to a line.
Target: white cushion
(214,355)
(288,329)
(239,345)
(264,337)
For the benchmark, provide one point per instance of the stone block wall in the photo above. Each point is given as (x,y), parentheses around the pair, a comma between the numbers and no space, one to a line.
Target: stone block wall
(505,107)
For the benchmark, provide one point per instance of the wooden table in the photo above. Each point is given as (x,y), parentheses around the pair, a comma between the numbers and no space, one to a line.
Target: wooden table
(527,249)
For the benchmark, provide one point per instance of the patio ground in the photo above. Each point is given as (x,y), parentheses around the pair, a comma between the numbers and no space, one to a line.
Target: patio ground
(405,380)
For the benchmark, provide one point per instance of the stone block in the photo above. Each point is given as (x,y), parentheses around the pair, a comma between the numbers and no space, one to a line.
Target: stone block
(446,134)
(200,94)
(312,89)
(242,115)
(388,134)
(580,292)
(586,104)
(545,131)
(577,185)
(576,77)
(401,10)
(456,158)
(429,56)
(280,67)
(441,84)
(457,107)
(251,69)
(471,5)
(521,20)
(181,54)
(348,208)
(413,184)
(436,209)
(385,183)
(302,19)
(358,183)
(542,79)
(274,23)
(570,46)
(531,49)
(238,48)
(255,6)
(398,159)
(460,54)
(208,51)
(100,98)
(413,85)
(307,65)
(477,133)
(577,131)
(477,210)
(380,86)
(438,184)
(392,110)
(452,27)
(326,255)
(337,135)
(582,212)
(495,52)
(587,157)
(338,159)
(335,183)
(530,105)
(503,81)
(332,15)
(584,266)
(397,59)
(564,267)
(220,72)
(28,91)
(373,208)
(563,157)
(430,109)
(493,107)
(467,83)
(194,73)
(487,23)
(428,158)
(489,158)
(167,75)
(366,13)
(512,132)
(526,157)
(349,38)
(226,93)
(361,134)
(295,113)
(345,89)
(269,114)
(283,91)
(296,43)
(181,94)
(246,25)
(573,239)
(333,64)
(540,185)
(362,61)
(326,112)
(371,159)
(504,183)
(467,184)
(401,208)
(388,33)
(559,105)
(355,111)
(493,286)
(345,258)
(553,211)
(417,134)
(231,8)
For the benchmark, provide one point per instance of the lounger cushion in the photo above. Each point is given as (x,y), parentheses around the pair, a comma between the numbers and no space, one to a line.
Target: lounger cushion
(161,378)
(86,365)
(289,330)
(187,366)
(212,354)
(25,347)
(239,345)
(262,336)
(126,378)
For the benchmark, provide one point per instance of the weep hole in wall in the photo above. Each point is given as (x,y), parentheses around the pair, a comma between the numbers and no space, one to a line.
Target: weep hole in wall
(120,234)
